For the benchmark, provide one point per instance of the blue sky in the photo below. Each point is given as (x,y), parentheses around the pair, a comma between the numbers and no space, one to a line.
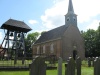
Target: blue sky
(43,15)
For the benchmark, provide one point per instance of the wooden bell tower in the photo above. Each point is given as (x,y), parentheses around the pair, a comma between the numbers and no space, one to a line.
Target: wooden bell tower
(13,42)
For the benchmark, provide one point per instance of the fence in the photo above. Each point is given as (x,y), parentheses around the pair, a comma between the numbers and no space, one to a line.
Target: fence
(19,65)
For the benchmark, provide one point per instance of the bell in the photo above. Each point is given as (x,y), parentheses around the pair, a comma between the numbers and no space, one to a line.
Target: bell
(11,34)
(19,35)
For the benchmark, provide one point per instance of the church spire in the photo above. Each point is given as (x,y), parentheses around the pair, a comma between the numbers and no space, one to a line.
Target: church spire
(70,17)
(70,7)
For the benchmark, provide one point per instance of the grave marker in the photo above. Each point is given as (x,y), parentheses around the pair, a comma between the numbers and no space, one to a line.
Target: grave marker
(78,65)
(70,67)
(38,67)
(60,66)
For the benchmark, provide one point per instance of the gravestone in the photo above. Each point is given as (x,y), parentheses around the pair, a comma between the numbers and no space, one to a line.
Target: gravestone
(38,66)
(60,66)
(89,62)
(97,66)
(23,60)
(70,67)
(93,58)
(78,65)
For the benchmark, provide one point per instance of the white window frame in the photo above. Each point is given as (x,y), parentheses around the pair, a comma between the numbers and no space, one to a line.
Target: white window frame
(52,48)
(44,49)
(38,48)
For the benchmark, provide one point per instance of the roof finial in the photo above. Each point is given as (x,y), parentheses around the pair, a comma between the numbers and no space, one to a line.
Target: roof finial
(70,7)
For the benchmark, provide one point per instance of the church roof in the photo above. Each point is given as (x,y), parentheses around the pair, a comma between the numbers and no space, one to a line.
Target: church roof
(52,34)
(15,25)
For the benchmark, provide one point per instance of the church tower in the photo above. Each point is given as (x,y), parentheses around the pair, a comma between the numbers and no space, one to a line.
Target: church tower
(71,17)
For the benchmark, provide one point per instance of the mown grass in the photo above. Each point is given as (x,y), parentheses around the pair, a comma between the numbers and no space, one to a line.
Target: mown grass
(11,63)
(14,72)
(85,71)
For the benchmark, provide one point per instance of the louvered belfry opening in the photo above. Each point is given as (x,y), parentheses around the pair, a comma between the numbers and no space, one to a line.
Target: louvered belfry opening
(13,44)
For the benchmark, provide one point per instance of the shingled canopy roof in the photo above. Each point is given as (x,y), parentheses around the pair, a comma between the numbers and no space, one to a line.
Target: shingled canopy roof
(52,34)
(15,25)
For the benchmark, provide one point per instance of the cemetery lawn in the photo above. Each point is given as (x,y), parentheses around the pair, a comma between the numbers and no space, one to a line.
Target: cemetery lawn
(85,71)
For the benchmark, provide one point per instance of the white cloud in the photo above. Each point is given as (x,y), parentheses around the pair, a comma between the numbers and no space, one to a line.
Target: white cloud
(85,9)
(40,30)
(33,22)
(56,1)
(94,25)
(54,16)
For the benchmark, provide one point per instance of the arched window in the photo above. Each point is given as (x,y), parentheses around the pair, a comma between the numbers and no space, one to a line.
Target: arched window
(52,48)
(38,48)
(44,49)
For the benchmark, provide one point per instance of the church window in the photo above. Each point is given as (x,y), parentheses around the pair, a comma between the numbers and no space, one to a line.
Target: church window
(38,49)
(44,49)
(52,48)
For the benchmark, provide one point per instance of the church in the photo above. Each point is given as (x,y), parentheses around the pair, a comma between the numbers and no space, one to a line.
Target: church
(63,41)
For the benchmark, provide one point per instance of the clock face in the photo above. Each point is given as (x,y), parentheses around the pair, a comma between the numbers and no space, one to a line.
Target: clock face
(67,18)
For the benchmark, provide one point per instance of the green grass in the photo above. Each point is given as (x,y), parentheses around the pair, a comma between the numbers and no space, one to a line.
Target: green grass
(11,63)
(85,71)
(14,72)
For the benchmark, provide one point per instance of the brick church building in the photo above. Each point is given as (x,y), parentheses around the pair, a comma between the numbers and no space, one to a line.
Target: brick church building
(63,41)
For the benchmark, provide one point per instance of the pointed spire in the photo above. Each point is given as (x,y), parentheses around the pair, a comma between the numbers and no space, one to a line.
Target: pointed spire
(70,7)
(70,17)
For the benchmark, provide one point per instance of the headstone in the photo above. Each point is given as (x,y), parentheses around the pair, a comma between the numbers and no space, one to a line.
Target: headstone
(78,65)
(70,67)
(97,66)
(23,60)
(38,66)
(89,62)
(65,68)
(60,66)
(93,58)
(15,61)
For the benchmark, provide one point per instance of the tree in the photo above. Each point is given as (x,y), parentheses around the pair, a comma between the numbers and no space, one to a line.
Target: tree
(97,50)
(90,43)
(43,32)
(29,40)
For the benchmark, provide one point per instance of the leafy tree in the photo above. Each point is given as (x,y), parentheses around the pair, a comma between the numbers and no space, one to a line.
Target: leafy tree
(97,50)
(29,40)
(43,32)
(90,43)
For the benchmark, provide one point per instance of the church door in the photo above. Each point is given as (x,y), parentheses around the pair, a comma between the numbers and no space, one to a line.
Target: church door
(74,54)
